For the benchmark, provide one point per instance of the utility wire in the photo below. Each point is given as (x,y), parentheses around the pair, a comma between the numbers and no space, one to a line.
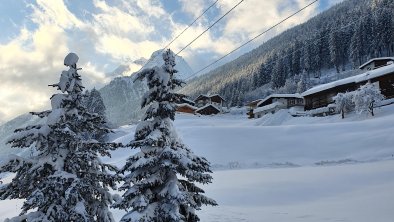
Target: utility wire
(224,15)
(322,37)
(184,30)
(191,24)
(250,40)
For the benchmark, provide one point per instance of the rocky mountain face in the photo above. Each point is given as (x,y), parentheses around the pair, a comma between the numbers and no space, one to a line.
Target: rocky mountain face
(122,96)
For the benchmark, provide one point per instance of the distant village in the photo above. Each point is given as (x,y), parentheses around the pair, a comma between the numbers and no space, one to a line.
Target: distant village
(317,101)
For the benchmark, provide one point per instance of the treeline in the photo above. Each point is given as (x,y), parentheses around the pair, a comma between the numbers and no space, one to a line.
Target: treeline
(340,38)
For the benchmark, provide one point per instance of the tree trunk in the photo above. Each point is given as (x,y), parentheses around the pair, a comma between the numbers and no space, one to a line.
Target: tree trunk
(371,109)
(343,114)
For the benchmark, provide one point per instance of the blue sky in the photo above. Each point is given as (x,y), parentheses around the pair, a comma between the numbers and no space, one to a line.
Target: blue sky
(36,35)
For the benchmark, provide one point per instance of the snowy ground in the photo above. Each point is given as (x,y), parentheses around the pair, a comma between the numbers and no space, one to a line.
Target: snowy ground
(281,168)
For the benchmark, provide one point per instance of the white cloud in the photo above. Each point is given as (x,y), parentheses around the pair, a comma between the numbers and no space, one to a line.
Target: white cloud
(54,12)
(247,20)
(113,20)
(122,48)
(195,8)
(254,16)
(34,59)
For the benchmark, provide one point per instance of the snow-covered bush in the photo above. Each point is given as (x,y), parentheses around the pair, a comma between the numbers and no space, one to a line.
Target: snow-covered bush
(63,179)
(344,103)
(289,87)
(366,97)
(160,181)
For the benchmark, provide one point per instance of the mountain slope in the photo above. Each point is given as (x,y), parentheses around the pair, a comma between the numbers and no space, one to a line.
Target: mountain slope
(7,129)
(338,39)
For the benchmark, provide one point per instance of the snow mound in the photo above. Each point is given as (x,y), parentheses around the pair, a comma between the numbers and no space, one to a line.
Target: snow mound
(275,119)
(71,59)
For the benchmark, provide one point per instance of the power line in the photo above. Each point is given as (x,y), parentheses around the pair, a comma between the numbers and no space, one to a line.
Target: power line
(250,40)
(313,42)
(224,15)
(191,24)
(150,59)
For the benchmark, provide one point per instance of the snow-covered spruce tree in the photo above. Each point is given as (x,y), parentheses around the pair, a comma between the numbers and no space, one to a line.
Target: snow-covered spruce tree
(94,103)
(64,179)
(344,103)
(160,180)
(303,83)
(366,97)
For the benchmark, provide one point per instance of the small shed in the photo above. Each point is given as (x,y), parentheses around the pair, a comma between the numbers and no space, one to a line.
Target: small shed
(208,109)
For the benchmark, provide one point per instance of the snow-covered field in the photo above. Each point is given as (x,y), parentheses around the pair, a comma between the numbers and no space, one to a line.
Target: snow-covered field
(283,168)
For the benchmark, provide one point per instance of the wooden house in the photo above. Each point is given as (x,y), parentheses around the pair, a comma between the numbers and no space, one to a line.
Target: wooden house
(322,95)
(275,102)
(209,104)
(377,63)
(215,99)
(186,106)
(208,109)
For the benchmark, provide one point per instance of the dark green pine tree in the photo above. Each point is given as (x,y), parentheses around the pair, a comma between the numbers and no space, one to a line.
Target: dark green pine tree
(160,181)
(335,48)
(357,46)
(64,179)
(94,102)
(278,77)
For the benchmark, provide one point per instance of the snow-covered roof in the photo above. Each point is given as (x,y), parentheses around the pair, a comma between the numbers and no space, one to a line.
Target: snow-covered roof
(204,107)
(374,59)
(267,107)
(353,79)
(208,96)
(254,102)
(296,95)
(187,100)
(186,104)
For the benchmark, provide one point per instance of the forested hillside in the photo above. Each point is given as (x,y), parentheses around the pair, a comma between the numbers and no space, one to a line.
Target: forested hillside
(339,39)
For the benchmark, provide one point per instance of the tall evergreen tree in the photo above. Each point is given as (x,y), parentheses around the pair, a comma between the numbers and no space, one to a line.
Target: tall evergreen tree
(278,77)
(296,57)
(368,35)
(357,45)
(335,49)
(94,102)
(303,83)
(64,179)
(154,190)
